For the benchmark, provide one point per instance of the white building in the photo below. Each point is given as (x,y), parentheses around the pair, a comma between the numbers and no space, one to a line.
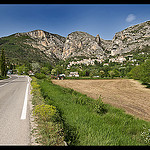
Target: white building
(73,74)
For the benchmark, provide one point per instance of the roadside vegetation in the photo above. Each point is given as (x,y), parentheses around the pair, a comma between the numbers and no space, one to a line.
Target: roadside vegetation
(48,131)
(86,121)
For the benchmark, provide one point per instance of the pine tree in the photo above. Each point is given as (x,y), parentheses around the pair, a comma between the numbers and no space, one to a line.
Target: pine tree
(3,64)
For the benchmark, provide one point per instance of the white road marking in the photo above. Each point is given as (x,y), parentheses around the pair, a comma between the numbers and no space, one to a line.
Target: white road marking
(24,109)
(8,82)
(4,84)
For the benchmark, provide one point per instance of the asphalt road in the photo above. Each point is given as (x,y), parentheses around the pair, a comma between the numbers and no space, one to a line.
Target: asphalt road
(14,129)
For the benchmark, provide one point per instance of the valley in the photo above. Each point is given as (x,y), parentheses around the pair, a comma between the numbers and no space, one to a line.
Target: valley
(75,75)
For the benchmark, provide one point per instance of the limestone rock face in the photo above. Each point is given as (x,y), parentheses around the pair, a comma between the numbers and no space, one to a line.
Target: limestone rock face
(134,37)
(98,40)
(50,44)
(82,44)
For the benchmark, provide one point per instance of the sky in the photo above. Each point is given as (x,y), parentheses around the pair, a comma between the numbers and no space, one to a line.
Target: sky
(62,19)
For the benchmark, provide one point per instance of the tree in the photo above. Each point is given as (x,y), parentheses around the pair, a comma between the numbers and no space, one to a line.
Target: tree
(45,70)
(145,72)
(141,72)
(3,64)
(102,73)
(67,72)
(59,69)
(54,71)
(116,72)
(22,69)
(135,73)
(111,73)
(35,67)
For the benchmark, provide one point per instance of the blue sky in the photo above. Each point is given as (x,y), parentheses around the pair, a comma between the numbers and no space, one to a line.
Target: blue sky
(62,19)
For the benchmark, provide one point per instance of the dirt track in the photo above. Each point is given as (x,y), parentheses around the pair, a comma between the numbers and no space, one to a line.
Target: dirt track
(128,94)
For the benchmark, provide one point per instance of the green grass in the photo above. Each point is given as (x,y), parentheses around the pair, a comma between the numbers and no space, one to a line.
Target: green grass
(84,126)
(47,132)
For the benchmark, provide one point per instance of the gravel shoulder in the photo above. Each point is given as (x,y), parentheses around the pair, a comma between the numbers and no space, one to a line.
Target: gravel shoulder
(127,94)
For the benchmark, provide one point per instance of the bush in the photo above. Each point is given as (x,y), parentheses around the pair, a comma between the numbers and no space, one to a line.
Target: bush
(44,112)
(37,97)
(40,75)
(100,107)
(141,72)
(49,130)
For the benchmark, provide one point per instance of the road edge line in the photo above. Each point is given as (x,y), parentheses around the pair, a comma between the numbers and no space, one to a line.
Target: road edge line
(24,109)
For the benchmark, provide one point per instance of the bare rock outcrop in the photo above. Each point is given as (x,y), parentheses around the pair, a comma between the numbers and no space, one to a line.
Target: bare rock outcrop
(82,44)
(134,37)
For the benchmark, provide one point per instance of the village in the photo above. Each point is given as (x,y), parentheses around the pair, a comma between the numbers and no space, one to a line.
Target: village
(118,59)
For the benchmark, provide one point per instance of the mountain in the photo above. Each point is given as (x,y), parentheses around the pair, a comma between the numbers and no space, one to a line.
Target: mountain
(41,46)
(50,44)
(130,39)
(35,46)
(82,44)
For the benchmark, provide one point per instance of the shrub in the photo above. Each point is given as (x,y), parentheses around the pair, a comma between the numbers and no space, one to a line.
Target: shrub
(44,112)
(141,72)
(40,75)
(49,128)
(100,107)
(37,97)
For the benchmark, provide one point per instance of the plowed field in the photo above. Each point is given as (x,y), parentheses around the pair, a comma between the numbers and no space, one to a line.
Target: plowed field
(128,94)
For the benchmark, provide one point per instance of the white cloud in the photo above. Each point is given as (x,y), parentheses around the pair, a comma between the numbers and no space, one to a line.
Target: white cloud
(130,17)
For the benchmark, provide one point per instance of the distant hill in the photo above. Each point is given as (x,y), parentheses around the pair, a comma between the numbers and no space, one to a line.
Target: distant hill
(41,46)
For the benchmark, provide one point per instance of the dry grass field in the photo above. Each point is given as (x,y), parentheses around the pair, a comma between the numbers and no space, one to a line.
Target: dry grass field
(128,94)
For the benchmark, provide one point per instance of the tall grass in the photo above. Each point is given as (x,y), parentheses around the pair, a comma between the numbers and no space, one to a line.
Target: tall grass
(48,131)
(83,125)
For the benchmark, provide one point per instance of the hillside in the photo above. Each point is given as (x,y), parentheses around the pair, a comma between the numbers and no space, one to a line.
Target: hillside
(50,44)
(132,38)
(41,46)
(18,51)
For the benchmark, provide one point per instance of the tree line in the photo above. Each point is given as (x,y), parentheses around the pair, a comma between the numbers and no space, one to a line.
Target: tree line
(35,67)
(141,72)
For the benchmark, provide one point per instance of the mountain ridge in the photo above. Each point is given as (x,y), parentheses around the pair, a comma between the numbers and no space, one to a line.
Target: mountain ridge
(53,47)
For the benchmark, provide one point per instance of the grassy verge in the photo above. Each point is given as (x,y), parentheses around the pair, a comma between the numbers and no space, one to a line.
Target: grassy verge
(49,131)
(90,122)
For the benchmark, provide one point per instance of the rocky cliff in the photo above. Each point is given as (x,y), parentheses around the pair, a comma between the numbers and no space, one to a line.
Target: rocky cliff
(50,44)
(82,44)
(134,37)
(75,44)
(79,44)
